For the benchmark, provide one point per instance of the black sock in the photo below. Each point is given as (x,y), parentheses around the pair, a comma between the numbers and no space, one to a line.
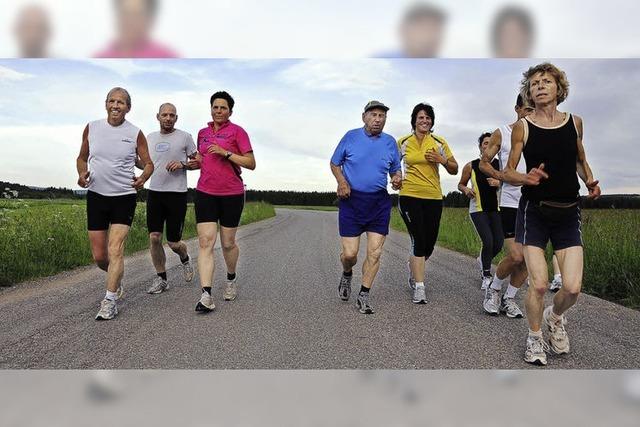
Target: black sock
(207,289)
(231,276)
(163,275)
(486,273)
(363,289)
(184,260)
(347,274)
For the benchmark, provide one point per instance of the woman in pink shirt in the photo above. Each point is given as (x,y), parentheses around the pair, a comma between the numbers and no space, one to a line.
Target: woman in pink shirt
(223,149)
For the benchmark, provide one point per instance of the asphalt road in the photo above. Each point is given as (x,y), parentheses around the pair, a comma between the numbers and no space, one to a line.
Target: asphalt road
(288,315)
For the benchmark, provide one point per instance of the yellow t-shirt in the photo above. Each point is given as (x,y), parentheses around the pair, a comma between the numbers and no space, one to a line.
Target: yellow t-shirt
(421,177)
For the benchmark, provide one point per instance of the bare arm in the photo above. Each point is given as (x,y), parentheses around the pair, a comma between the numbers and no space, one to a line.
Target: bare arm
(246,160)
(511,175)
(451,165)
(495,142)
(582,166)
(344,189)
(145,159)
(464,180)
(82,165)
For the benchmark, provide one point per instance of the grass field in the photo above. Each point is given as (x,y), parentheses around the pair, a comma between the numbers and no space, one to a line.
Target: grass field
(611,249)
(40,237)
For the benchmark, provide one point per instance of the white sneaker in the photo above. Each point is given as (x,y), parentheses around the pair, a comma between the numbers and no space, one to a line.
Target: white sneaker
(158,286)
(187,271)
(419,295)
(558,338)
(536,351)
(555,285)
(510,308)
(108,310)
(230,290)
(491,302)
(486,282)
(206,303)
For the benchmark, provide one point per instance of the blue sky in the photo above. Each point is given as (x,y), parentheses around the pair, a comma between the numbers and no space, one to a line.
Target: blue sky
(295,111)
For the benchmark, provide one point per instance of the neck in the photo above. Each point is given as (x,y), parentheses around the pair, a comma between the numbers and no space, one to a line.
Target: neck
(165,132)
(547,111)
(113,122)
(421,135)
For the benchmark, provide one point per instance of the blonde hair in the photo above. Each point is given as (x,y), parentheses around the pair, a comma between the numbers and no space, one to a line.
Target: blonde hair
(546,67)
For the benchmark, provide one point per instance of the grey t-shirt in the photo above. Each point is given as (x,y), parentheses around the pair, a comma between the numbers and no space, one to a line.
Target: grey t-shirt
(165,148)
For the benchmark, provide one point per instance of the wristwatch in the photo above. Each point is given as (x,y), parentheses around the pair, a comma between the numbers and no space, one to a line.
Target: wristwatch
(229,153)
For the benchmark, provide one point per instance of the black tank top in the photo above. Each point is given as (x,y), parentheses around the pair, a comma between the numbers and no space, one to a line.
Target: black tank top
(557,148)
(486,195)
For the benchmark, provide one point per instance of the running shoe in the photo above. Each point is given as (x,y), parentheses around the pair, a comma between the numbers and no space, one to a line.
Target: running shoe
(344,288)
(558,338)
(108,310)
(491,302)
(412,281)
(187,271)
(510,308)
(158,286)
(362,303)
(206,303)
(486,281)
(536,352)
(555,285)
(230,290)
(419,295)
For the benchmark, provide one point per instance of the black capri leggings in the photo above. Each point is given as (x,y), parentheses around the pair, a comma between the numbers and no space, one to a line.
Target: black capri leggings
(489,228)
(422,218)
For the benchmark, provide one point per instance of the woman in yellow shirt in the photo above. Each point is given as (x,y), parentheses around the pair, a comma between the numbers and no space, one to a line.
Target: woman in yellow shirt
(420,202)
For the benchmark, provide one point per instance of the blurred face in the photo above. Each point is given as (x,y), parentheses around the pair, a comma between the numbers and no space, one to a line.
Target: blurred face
(543,88)
(167,116)
(484,144)
(116,106)
(374,120)
(134,21)
(424,123)
(422,37)
(220,112)
(513,41)
(32,31)
(524,111)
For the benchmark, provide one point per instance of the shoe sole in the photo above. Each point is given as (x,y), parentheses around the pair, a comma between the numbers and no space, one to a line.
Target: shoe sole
(229,298)
(422,301)
(364,311)
(107,318)
(556,351)
(203,308)
(537,362)
(158,292)
(511,316)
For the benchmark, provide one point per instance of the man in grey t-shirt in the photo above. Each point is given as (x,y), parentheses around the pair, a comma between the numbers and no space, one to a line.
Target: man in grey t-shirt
(173,152)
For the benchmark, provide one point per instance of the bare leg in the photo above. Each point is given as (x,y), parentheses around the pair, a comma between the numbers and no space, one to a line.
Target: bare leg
(117,237)
(179,248)
(99,241)
(207,233)
(538,282)
(158,257)
(371,264)
(230,250)
(418,267)
(571,266)
(349,255)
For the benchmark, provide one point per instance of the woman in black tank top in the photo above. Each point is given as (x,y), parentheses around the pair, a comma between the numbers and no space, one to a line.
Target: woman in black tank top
(551,143)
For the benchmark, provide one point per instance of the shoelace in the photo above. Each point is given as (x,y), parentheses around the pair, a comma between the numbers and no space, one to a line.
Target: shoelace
(540,345)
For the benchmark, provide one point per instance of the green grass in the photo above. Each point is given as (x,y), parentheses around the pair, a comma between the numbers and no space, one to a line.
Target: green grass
(41,237)
(611,249)
(310,208)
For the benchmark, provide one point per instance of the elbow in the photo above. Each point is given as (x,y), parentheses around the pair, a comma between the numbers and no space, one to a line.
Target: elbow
(252,165)
(454,171)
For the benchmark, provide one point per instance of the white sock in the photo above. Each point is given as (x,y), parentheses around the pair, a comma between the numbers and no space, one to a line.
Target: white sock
(557,277)
(535,334)
(111,296)
(511,291)
(418,284)
(497,283)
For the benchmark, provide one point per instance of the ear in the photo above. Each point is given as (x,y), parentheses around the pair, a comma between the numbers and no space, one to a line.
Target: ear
(176,117)
(158,116)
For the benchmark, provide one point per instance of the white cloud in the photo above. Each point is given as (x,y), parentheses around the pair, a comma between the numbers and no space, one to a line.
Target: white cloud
(349,76)
(8,74)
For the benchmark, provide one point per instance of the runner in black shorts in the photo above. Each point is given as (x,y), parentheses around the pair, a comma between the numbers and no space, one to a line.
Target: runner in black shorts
(106,165)
(223,149)
(173,153)
(551,143)
(511,270)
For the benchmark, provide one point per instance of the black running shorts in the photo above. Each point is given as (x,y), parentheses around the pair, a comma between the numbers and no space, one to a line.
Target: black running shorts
(225,209)
(166,207)
(105,210)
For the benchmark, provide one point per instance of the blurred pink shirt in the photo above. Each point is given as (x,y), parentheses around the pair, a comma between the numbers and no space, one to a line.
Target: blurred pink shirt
(147,49)
(218,175)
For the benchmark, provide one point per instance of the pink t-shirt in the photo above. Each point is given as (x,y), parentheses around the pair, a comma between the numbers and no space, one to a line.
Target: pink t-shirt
(218,175)
(147,49)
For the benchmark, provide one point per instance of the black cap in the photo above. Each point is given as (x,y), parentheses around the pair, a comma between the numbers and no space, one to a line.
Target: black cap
(375,104)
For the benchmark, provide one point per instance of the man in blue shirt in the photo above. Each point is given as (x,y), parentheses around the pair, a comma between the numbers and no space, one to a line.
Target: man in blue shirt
(361,162)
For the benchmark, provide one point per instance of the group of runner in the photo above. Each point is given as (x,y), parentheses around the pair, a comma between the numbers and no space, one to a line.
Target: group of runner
(524,204)
(110,151)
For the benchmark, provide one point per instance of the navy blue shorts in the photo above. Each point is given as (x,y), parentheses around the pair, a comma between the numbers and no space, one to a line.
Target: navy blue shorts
(363,212)
(535,226)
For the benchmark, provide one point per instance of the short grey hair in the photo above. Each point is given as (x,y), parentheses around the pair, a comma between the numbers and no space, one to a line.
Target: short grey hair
(121,90)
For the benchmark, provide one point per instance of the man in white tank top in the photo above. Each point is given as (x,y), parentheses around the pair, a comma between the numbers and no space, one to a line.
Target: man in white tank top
(106,168)
(512,266)
(173,153)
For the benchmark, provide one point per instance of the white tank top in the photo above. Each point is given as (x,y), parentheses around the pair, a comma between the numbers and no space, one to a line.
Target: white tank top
(112,157)
(509,194)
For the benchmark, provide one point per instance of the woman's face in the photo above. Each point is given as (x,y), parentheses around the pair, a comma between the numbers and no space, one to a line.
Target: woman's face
(424,123)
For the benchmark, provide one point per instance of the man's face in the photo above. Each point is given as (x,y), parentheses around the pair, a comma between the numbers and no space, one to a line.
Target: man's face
(167,116)
(374,120)
(220,112)
(484,144)
(524,111)
(543,88)
(116,106)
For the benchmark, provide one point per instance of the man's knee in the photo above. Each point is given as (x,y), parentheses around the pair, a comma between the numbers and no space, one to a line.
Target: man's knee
(155,238)
(228,245)
(102,261)
(174,246)
(539,288)
(517,257)
(350,256)
(374,254)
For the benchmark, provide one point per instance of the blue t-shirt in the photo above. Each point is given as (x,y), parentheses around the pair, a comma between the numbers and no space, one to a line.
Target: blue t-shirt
(367,160)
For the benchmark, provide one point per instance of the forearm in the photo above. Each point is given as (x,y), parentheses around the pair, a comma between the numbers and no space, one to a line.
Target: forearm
(147,170)
(514,177)
(451,166)
(337,173)
(247,162)
(488,169)
(82,166)
(462,188)
(584,171)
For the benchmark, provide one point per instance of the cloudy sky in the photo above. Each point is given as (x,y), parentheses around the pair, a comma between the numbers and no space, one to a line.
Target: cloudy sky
(296,111)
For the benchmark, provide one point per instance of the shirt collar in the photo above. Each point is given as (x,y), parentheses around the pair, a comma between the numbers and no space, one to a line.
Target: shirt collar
(224,125)
(369,135)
